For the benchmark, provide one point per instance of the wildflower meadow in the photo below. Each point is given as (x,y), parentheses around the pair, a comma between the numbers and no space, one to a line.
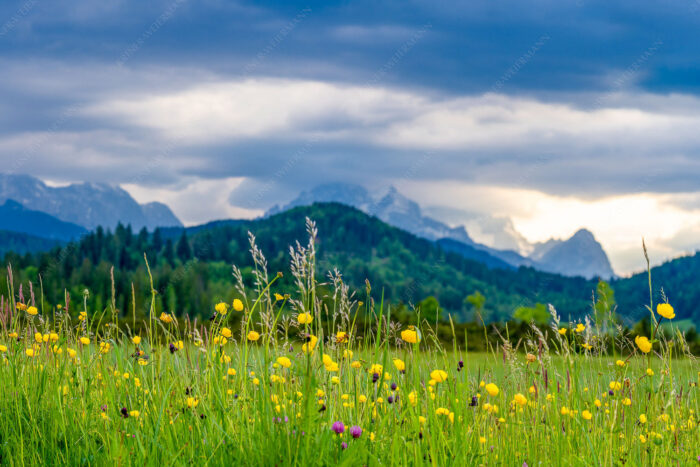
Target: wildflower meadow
(297,381)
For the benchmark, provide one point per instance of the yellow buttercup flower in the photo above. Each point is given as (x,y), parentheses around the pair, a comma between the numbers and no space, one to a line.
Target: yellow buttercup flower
(650,372)
(192,402)
(341,337)
(305,318)
(237,305)
(665,310)
(284,362)
(642,419)
(310,345)
(580,328)
(620,363)
(221,308)
(492,389)
(643,344)
(166,318)
(520,399)
(586,415)
(439,375)
(226,332)
(85,340)
(279,297)
(32,310)
(410,335)
(253,336)
(3,348)
(136,340)
(562,331)
(399,364)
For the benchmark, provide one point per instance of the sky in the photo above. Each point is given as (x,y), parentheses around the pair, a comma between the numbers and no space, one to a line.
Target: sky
(544,116)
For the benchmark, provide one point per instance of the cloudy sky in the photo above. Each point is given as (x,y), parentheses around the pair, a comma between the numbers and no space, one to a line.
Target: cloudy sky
(548,116)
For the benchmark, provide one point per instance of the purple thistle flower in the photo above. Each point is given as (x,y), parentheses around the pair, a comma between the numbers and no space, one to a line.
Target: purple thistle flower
(344,445)
(124,412)
(474,402)
(375,377)
(461,364)
(355,431)
(393,386)
(611,392)
(338,427)
(390,400)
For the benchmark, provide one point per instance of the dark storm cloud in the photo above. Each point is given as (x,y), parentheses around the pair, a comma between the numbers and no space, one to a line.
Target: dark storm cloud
(68,66)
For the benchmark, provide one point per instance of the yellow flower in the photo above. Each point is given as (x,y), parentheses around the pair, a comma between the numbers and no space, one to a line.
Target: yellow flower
(642,439)
(627,401)
(221,308)
(341,336)
(134,413)
(597,403)
(482,440)
(104,347)
(253,336)
(375,368)
(620,363)
(179,345)
(492,389)
(85,340)
(335,380)
(356,364)
(410,335)
(562,331)
(284,362)
(32,310)
(82,316)
(362,399)
(642,419)
(615,385)
(237,305)
(310,345)
(29,352)
(71,353)
(439,375)
(586,415)
(21,306)
(279,297)
(3,348)
(580,327)
(665,310)
(587,346)
(564,411)
(650,372)
(520,399)
(643,344)
(142,361)
(166,318)
(13,335)
(53,337)
(305,318)
(136,340)
(442,411)
(226,332)
(399,364)
(347,353)
(192,402)
(231,372)
(38,337)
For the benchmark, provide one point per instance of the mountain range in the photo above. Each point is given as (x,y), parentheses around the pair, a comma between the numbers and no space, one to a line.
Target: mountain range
(67,212)
(87,205)
(580,255)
